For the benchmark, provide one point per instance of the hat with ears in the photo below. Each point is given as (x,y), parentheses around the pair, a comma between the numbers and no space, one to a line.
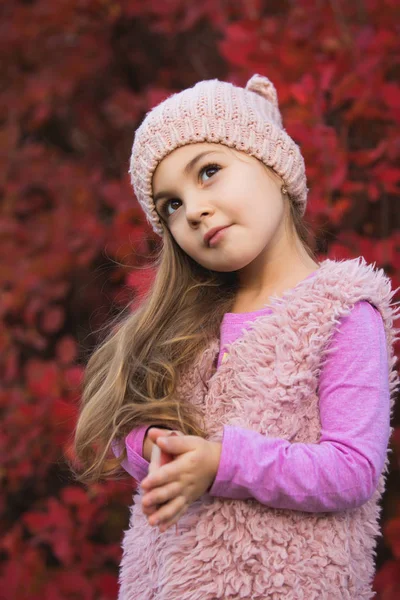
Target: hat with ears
(247,119)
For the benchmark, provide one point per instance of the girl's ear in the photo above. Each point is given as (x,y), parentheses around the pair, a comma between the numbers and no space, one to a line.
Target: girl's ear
(263,87)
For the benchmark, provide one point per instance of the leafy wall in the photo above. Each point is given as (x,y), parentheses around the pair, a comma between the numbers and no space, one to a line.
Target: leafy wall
(77,77)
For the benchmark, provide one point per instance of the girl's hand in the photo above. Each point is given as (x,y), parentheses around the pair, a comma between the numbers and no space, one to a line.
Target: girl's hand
(157,457)
(179,483)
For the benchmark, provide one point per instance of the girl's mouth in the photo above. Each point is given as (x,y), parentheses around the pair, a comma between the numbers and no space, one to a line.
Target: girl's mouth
(213,241)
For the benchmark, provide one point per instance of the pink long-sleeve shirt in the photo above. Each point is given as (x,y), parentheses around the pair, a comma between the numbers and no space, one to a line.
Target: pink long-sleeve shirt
(339,472)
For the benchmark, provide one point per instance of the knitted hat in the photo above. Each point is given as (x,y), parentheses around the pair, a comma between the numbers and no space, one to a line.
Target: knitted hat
(247,119)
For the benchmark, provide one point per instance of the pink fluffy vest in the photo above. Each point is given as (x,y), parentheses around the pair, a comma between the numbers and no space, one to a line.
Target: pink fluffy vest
(230,549)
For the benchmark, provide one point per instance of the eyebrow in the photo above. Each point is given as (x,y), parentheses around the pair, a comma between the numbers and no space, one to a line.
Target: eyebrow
(189,167)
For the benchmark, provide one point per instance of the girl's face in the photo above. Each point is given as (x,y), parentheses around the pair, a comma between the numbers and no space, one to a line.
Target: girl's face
(202,186)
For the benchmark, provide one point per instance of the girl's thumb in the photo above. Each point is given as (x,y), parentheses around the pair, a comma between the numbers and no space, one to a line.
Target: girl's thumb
(160,457)
(168,445)
(156,432)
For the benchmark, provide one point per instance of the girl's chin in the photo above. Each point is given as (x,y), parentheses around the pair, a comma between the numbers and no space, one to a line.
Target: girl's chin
(227,266)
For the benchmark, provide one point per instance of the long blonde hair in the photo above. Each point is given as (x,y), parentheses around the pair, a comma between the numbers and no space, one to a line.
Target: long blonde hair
(131,377)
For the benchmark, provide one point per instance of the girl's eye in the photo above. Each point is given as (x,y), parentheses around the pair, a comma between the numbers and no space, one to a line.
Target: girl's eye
(208,168)
(164,208)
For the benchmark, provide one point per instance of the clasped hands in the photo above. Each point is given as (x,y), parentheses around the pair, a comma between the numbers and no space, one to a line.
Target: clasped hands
(173,487)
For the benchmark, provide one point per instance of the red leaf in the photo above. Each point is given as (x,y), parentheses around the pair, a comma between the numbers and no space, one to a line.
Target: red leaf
(391,531)
(34,306)
(64,417)
(73,382)
(66,350)
(108,585)
(11,367)
(52,319)
(366,157)
(390,92)
(43,378)
(73,584)
(74,495)
(387,580)
(241,41)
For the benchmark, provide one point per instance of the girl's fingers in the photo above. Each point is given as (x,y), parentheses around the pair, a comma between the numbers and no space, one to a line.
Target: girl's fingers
(167,524)
(150,510)
(168,511)
(161,495)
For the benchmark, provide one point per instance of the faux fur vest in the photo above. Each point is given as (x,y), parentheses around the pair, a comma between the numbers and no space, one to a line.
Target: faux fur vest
(229,549)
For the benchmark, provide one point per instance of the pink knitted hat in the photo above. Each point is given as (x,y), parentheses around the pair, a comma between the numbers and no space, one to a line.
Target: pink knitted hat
(247,119)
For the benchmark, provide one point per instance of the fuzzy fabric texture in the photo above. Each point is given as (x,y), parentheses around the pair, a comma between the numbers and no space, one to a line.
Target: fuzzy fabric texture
(247,119)
(240,549)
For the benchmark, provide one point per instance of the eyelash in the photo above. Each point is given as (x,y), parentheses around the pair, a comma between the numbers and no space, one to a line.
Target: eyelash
(163,209)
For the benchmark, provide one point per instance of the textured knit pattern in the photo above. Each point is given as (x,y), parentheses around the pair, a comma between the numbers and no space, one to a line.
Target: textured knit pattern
(229,549)
(233,324)
(247,119)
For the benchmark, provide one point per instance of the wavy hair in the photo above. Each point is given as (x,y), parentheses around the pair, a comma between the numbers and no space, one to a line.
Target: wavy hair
(131,377)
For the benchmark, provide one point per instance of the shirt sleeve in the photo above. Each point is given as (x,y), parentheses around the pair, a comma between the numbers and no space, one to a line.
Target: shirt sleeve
(134,463)
(342,470)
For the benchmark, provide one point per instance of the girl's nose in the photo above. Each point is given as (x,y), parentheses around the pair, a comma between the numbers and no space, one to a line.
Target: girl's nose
(197,210)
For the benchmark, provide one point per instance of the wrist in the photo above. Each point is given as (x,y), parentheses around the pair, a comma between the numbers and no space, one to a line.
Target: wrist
(216,450)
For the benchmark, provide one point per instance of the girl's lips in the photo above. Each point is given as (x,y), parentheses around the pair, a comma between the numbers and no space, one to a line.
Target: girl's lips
(213,241)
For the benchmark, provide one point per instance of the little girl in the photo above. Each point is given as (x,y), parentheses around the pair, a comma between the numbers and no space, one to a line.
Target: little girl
(277,371)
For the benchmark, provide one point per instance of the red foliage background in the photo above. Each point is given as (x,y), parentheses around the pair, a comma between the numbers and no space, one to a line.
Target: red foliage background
(77,78)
